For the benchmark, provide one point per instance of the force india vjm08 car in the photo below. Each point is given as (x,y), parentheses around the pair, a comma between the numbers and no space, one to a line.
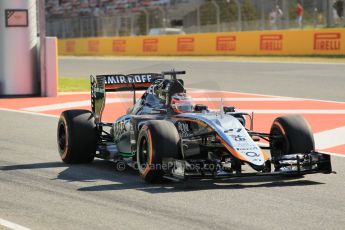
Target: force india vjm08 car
(164,135)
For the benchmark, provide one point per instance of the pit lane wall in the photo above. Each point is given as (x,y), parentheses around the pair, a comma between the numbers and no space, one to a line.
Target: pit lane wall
(288,42)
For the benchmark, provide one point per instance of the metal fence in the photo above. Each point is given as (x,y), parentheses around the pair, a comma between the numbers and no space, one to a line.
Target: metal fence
(200,16)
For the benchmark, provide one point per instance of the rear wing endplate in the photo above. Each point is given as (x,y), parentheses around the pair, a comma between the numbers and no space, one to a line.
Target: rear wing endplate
(115,83)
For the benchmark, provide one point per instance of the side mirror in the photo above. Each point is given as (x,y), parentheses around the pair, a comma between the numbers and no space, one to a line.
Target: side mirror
(229,109)
(200,107)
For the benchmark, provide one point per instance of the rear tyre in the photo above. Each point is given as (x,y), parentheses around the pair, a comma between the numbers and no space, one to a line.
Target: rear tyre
(77,136)
(156,140)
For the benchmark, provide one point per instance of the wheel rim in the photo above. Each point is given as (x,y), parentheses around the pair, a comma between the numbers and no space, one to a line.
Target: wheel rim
(62,137)
(279,145)
(144,154)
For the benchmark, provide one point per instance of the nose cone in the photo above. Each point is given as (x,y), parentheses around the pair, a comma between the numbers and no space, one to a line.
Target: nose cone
(244,148)
(238,141)
(234,137)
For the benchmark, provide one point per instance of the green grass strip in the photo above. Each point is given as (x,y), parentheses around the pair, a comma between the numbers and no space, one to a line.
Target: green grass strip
(69,84)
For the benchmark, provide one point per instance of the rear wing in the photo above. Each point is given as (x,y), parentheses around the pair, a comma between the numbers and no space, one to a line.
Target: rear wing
(115,83)
(120,82)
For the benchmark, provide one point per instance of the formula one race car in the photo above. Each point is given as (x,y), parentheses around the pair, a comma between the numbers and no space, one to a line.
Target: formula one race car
(164,135)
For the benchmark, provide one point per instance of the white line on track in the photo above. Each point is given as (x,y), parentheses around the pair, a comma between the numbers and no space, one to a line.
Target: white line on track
(261,95)
(73,104)
(265,96)
(27,112)
(58,106)
(317,138)
(125,100)
(235,99)
(296,111)
(296,98)
(88,93)
(195,90)
(262,144)
(11,225)
(330,138)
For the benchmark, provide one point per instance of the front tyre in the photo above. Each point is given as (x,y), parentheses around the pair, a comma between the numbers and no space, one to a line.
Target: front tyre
(77,136)
(156,140)
(295,136)
(290,135)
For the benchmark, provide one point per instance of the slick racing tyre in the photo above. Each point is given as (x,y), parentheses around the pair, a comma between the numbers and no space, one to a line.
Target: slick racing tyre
(77,136)
(156,140)
(296,136)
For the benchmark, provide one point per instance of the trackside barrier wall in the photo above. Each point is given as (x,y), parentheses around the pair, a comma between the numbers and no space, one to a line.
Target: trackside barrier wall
(51,86)
(290,42)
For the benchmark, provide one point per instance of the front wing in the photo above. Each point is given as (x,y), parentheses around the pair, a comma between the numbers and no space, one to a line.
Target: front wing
(293,165)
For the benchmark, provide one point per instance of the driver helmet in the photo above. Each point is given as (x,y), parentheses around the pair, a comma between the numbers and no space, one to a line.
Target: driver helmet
(181,103)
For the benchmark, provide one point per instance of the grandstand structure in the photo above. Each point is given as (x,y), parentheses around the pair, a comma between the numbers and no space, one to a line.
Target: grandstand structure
(85,18)
(75,8)
(94,18)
